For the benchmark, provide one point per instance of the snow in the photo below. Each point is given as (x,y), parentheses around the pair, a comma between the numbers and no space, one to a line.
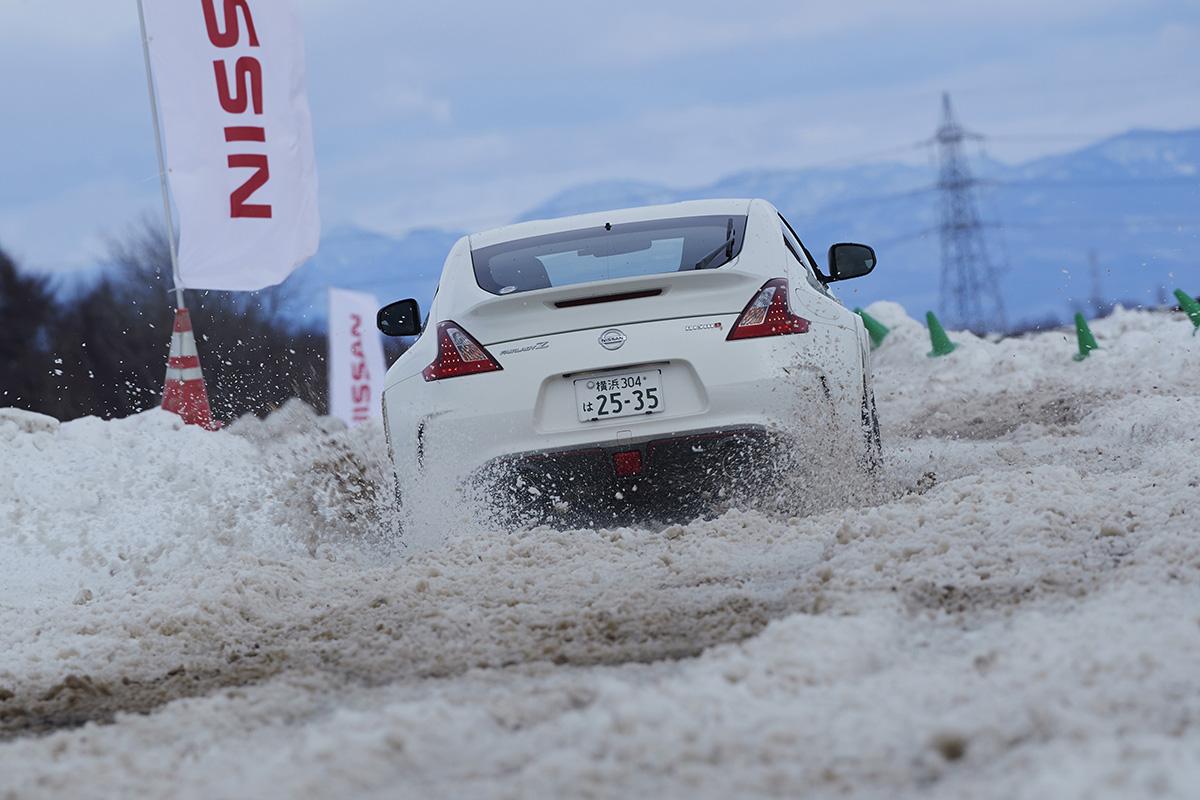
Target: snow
(1016,613)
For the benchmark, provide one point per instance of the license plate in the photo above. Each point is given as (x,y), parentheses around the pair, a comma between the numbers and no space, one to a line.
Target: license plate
(628,395)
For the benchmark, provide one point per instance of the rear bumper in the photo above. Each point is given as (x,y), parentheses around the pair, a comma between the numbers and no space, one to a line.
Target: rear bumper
(667,475)
(447,433)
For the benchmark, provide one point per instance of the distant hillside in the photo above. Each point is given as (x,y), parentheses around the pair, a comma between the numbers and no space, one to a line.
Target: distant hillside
(1134,199)
(390,268)
(798,191)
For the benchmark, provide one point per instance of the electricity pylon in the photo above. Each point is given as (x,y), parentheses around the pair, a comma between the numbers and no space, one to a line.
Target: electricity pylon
(1099,304)
(970,290)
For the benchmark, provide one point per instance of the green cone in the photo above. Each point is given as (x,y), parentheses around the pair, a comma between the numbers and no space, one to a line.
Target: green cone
(876,329)
(1190,306)
(942,346)
(1087,342)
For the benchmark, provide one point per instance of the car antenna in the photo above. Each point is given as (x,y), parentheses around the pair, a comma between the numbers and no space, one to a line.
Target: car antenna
(608,226)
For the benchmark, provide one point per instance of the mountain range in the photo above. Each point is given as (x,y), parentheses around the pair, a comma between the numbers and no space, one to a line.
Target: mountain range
(1119,218)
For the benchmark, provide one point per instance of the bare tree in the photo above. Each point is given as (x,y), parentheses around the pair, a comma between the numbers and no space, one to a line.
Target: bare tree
(27,311)
(103,350)
(114,338)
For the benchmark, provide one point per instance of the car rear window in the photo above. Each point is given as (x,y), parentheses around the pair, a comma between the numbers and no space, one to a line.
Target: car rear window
(604,252)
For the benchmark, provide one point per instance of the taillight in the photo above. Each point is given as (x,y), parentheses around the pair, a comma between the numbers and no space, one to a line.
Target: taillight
(768,314)
(458,354)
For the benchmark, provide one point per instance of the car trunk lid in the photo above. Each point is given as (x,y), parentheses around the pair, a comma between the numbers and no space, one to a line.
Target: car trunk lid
(625,301)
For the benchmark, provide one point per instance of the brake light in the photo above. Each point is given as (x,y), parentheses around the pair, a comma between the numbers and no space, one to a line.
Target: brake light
(768,314)
(458,354)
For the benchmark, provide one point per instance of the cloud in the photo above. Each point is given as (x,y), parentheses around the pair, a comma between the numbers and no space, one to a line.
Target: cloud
(398,101)
(464,114)
(37,24)
(70,229)
(1045,99)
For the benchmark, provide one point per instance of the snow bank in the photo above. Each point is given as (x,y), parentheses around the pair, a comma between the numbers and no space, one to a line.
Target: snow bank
(1017,617)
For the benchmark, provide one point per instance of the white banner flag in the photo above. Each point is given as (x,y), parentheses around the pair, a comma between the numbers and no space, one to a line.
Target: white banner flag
(355,357)
(230,79)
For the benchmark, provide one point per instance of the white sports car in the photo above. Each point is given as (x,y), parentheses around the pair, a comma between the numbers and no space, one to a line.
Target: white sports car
(659,355)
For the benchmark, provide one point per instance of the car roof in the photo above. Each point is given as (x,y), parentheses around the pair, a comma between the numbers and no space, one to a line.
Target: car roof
(689,208)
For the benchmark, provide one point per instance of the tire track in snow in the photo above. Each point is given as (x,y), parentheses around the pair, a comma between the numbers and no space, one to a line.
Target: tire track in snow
(1026,512)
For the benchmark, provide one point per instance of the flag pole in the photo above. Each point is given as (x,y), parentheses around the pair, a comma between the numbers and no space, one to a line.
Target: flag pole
(162,165)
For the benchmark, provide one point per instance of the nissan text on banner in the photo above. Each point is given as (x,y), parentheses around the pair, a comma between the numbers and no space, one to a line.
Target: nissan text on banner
(238,131)
(356,366)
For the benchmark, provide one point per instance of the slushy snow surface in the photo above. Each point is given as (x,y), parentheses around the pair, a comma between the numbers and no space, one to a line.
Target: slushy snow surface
(1015,613)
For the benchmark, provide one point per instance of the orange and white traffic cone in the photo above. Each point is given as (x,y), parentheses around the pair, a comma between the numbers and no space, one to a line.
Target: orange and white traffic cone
(184,393)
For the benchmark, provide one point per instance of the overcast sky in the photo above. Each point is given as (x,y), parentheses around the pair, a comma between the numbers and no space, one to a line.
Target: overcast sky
(462,115)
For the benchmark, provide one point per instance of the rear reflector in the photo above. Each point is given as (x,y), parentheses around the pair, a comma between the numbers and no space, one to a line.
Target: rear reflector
(458,354)
(628,463)
(768,314)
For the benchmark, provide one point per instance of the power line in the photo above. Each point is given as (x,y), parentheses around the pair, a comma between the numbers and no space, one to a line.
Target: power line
(1158,223)
(1047,183)
(1001,183)
(864,158)
(906,237)
(1046,137)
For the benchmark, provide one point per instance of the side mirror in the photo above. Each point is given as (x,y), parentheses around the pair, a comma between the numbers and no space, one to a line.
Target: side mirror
(401,318)
(848,260)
